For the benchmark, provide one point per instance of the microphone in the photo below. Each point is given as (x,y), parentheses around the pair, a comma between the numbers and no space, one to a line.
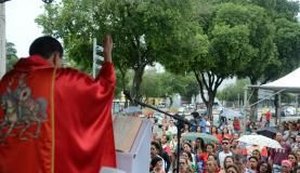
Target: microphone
(128,95)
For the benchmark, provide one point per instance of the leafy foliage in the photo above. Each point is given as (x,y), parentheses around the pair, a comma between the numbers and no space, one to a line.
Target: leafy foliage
(233,91)
(139,29)
(165,84)
(11,55)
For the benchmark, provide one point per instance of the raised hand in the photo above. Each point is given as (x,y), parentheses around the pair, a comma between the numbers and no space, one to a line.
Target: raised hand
(107,48)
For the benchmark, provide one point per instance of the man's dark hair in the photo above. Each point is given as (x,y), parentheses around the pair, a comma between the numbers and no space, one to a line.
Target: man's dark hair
(253,157)
(167,137)
(45,46)
(157,146)
(155,160)
(225,139)
(195,114)
(212,145)
(237,169)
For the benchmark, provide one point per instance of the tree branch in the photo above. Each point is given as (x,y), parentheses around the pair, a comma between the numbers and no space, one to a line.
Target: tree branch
(204,80)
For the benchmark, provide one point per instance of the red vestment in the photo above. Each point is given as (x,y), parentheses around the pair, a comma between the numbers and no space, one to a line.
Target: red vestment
(61,119)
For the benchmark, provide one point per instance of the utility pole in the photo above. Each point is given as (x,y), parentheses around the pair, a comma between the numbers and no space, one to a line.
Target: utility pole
(245,108)
(2,40)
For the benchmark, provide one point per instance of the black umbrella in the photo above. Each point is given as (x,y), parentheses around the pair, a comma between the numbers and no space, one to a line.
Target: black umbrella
(268,132)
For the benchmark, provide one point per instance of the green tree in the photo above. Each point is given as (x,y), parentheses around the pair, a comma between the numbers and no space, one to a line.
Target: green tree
(284,18)
(285,36)
(11,55)
(281,44)
(288,42)
(233,36)
(234,91)
(279,8)
(122,82)
(152,84)
(261,39)
(139,29)
(166,84)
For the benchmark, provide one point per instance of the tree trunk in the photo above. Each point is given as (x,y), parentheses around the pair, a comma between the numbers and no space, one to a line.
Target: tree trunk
(123,79)
(253,99)
(210,83)
(209,105)
(136,83)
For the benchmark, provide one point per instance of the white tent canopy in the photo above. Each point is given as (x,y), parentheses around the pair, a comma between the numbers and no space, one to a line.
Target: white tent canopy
(289,82)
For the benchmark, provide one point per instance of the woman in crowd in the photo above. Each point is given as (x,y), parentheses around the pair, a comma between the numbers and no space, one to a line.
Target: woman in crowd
(256,153)
(293,159)
(186,129)
(187,155)
(229,160)
(156,151)
(232,169)
(226,134)
(210,150)
(298,156)
(212,157)
(199,146)
(187,147)
(241,166)
(260,152)
(296,146)
(156,165)
(264,167)
(184,166)
(215,133)
(200,155)
(165,144)
(234,148)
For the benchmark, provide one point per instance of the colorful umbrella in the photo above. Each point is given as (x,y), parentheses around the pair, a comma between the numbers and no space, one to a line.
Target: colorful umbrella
(207,138)
(259,140)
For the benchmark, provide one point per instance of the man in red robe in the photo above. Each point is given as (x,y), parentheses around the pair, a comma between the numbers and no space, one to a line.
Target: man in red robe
(55,119)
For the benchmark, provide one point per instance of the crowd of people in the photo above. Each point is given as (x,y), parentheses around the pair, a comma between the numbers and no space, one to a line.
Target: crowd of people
(227,155)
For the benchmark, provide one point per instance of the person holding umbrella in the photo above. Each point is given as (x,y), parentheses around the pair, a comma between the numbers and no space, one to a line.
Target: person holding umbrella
(277,155)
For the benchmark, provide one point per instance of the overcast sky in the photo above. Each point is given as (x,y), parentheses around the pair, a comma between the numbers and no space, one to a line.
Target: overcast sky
(20,26)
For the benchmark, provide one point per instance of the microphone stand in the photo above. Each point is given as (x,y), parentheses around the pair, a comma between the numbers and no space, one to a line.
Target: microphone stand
(179,124)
